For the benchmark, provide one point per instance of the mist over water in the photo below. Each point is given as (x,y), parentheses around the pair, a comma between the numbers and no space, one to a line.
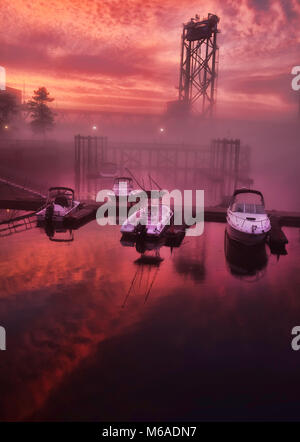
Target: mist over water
(90,321)
(273,166)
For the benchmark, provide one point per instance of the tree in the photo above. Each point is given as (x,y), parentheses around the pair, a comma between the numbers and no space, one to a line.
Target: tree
(8,109)
(41,114)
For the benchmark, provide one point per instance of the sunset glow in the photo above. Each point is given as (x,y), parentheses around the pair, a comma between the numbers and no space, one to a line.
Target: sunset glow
(124,55)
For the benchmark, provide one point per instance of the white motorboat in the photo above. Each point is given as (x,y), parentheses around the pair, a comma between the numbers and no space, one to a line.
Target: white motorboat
(149,221)
(123,187)
(247,221)
(60,203)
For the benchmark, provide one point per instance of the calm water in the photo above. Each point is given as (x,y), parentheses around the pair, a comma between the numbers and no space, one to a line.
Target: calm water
(94,335)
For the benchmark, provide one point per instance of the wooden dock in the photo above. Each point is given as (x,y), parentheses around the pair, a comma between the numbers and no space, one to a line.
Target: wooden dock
(16,197)
(277,238)
(287,219)
(29,204)
(17,225)
(284,219)
(85,214)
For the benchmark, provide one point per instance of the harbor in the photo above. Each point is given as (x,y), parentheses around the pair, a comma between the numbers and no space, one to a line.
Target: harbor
(149,217)
(223,165)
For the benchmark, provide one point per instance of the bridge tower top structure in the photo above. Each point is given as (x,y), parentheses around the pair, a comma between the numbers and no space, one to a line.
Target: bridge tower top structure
(199,65)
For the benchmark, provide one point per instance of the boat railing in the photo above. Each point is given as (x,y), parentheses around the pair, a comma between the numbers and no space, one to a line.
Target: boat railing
(261,221)
(18,225)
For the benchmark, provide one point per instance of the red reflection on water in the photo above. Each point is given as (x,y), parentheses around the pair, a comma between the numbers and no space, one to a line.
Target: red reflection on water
(58,302)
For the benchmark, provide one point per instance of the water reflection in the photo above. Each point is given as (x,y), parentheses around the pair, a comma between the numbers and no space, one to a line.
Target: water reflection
(68,334)
(149,248)
(58,233)
(245,262)
(190,262)
(150,258)
(144,276)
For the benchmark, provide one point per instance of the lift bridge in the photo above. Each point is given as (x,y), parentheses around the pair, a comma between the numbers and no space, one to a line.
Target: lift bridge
(222,165)
(198,68)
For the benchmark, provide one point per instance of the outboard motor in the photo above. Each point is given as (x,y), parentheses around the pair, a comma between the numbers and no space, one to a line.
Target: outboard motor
(49,212)
(141,230)
(49,229)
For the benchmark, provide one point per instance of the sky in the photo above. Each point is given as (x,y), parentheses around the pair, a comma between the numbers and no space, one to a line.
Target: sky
(123,55)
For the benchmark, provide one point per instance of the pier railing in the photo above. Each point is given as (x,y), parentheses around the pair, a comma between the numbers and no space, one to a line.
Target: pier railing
(224,161)
(17,225)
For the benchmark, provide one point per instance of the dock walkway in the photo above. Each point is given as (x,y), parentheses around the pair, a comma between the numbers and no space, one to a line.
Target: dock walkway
(21,198)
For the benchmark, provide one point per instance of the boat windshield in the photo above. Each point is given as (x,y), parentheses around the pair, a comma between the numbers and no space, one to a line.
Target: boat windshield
(157,213)
(248,208)
(61,197)
(248,203)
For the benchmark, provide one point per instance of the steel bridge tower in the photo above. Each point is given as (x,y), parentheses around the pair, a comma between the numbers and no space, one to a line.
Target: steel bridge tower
(198,65)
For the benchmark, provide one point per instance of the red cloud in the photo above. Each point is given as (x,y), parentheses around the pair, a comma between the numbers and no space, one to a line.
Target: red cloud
(132,45)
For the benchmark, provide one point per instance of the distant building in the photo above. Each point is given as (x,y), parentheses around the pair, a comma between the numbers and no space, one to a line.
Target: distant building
(16,92)
(2,78)
(6,89)
(8,123)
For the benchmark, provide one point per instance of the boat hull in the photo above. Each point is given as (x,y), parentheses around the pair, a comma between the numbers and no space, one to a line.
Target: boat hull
(147,233)
(245,238)
(57,217)
(154,229)
(244,261)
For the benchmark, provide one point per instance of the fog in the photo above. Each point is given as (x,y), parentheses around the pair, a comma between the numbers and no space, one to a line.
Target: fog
(50,160)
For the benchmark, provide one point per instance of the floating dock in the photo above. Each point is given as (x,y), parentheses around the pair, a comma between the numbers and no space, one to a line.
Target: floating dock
(22,200)
(16,197)
(85,214)
(29,204)
(277,237)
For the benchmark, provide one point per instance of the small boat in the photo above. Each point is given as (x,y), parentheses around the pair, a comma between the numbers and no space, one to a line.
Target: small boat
(60,203)
(123,187)
(148,221)
(247,221)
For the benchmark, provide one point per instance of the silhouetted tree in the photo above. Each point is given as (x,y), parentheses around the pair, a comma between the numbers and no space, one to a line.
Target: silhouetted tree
(8,109)
(41,114)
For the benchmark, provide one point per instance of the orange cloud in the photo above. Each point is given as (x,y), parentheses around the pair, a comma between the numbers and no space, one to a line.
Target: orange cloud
(118,47)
